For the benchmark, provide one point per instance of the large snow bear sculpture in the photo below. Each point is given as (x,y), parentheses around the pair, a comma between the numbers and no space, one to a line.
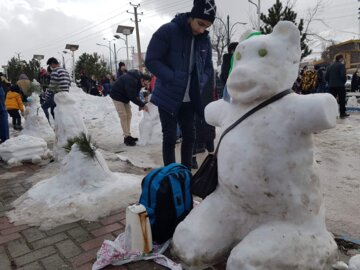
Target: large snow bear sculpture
(267,209)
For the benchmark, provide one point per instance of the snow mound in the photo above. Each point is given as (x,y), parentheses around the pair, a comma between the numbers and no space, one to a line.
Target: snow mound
(85,189)
(354,263)
(36,123)
(353,102)
(24,148)
(150,127)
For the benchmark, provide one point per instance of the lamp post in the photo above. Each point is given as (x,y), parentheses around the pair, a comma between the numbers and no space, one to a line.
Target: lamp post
(228,28)
(110,52)
(72,48)
(125,30)
(257,11)
(38,58)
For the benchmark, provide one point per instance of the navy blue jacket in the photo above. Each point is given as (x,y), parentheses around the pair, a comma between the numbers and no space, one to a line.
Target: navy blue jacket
(168,57)
(127,88)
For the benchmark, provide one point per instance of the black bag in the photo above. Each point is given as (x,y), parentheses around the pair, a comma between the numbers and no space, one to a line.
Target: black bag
(205,180)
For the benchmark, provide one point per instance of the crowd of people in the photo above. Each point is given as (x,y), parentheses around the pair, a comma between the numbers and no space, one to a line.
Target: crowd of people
(182,82)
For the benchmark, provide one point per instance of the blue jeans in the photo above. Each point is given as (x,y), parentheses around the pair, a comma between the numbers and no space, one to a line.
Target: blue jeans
(49,104)
(4,124)
(169,122)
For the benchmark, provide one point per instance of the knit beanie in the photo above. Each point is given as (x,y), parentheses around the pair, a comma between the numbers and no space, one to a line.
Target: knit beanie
(204,9)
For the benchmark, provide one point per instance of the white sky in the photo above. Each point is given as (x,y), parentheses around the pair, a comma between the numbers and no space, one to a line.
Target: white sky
(31,27)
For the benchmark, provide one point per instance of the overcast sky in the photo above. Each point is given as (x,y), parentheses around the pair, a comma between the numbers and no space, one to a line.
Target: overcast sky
(44,27)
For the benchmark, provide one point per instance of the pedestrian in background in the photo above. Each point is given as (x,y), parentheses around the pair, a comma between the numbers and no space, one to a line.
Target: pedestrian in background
(355,82)
(4,124)
(13,105)
(180,56)
(336,78)
(121,70)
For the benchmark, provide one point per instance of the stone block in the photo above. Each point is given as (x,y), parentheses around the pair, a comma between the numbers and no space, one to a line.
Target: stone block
(33,234)
(49,240)
(68,248)
(18,247)
(35,256)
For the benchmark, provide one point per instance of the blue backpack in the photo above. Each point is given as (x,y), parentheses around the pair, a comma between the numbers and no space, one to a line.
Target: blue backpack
(167,198)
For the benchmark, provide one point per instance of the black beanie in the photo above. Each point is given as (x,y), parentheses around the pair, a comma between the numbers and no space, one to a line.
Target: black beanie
(204,9)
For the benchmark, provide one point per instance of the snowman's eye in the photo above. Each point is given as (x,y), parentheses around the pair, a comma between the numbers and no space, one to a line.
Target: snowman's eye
(262,52)
(238,56)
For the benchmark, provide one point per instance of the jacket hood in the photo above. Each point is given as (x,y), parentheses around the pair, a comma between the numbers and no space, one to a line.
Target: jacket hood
(134,73)
(181,19)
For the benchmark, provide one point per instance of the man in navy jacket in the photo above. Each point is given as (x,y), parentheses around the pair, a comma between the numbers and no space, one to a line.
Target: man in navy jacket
(179,55)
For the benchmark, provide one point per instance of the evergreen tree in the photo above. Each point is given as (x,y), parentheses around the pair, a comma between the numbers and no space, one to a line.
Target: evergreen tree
(91,64)
(278,13)
(17,67)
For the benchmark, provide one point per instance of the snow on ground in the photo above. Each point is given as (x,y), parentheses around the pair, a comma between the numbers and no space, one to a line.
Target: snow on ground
(337,152)
(85,189)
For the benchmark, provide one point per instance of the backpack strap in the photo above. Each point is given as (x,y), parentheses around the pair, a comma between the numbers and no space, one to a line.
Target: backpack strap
(179,202)
(253,110)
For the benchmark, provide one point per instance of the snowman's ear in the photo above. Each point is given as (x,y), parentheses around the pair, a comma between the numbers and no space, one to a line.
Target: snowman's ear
(288,32)
(248,34)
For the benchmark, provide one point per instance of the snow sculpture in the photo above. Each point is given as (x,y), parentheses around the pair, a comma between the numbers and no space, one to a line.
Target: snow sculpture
(68,122)
(85,188)
(268,208)
(24,148)
(354,262)
(36,123)
(150,127)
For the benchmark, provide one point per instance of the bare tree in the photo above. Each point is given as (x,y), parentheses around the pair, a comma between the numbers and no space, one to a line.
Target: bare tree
(219,39)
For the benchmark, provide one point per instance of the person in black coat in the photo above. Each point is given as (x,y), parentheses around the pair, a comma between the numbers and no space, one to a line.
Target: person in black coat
(127,88)
(225,67)
(336,78)
(355,82)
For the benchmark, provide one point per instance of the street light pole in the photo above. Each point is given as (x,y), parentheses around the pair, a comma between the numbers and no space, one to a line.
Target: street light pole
(125,30)
(228,29)
(258,10)
(115,58)
(72,48)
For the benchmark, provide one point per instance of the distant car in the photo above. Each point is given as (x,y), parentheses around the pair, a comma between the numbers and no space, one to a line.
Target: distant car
(348,82)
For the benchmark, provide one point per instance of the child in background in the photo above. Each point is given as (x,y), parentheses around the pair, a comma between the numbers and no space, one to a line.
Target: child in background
(13,104)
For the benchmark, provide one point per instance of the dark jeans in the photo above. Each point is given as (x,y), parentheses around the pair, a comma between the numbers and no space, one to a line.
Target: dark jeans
(185,118)
(341,94)
(4,125)
(16,117)
(49,103)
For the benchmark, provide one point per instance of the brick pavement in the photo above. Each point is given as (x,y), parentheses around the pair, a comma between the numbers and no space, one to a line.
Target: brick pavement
(70,246)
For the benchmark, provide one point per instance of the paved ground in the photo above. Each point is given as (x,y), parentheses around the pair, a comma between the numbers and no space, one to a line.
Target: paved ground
(70,246)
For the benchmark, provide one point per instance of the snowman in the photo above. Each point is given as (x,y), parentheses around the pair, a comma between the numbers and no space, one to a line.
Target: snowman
(68,123)
(267,211)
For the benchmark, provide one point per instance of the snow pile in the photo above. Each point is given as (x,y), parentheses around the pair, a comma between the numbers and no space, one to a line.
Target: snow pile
(24,148)
(353,103)
(85,188)
(36,123)
(102,121)
(267,211)
(150,126)
(68,122)
(354,263)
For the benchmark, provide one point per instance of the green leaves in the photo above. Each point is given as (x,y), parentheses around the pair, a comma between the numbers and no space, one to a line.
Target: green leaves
(84,144)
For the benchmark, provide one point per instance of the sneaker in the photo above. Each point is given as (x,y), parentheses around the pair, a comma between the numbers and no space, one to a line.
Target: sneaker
(194,164)
(129,142)
(134,139)
(344,115)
